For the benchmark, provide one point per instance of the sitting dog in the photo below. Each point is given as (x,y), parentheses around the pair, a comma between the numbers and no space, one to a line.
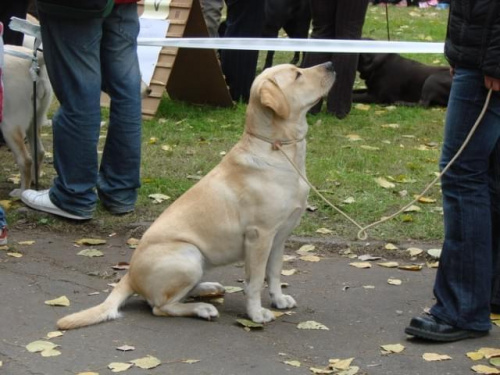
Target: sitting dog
(294,16)
(245,208)
(18,116)
(391,78)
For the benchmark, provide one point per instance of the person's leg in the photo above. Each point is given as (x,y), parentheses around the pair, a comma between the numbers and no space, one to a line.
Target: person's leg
(212,11)
(495,223)
(463,281)
(349,21)
(244,19)
(3,227)
(72,56)
(119,173)
(323,27)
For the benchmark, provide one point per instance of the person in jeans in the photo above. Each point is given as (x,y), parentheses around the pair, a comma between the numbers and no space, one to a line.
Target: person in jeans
(337,20)
(84,56)
(467,285)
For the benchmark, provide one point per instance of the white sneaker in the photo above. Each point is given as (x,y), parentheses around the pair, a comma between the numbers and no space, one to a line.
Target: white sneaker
(39,200)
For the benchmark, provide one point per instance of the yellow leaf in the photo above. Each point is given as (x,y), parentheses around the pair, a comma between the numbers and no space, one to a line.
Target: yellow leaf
(293,363)
(40,346)
(361,264)
(15,255)
(495,316)
(249,324)
(426,200)
(390,246)
(26,243)
(153,140)
(233,289)
(370,148)
(317,370)
(54,334)
(190,361)
(382,182)
(411,267)
(353,137)
(349,200)
(132,242)
(431,357)
(311,324)
(147,363)
(341,364)
(50,353)
(393,348)
(490,352)
(90,241)
(158,198)
(6,204)
(482,369)
(91,253)
(15,179)
(394,282)
(288,272)
(304,249)
(391,126)
(388,264)
(413,208)
(60,301)
(414,251)
(310,258)
(88,373)
(323,231)
(362,107)
(119,366)
(475,356)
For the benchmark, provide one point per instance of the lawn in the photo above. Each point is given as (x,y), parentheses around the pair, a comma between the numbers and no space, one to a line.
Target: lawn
(345,157)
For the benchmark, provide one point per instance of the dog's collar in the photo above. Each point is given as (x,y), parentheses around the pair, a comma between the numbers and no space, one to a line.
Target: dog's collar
(276,143)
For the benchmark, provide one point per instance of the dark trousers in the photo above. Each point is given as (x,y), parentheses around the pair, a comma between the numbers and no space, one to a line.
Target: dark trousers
(341,19)
(245,18)
(8,9)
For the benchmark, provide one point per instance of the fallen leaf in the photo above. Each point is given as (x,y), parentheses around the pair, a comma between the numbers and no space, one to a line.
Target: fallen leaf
(433,264)
(435,253)
(54,334)
(153,140)
(370,148)
(388,264)
(362,107)
(431,357)
(289,272)
(311,324)
(349,200)
(413,208)
(190,361)
(292,363)
(88,373)
(60,301)
(393,348)
(482,369)
(361,264)
(126,348)
(15,179)
(414,251)
(147,363)
(15,255)
(390,246)
(158,198)
(353,137)
(490,352)
(369,286)
(40,346)
(50,353)
(26,243)
(367,257)
(353,370)
(249,324)
(310,258)
(394,282)
(305,249)
(119,366)
(390,126)
(382,182)
(341,364)
(90,241)
(475,356)
(411,267)
(495,361)
(426,200)
(324,231)
(91,253)
(6,204)
(288,258)
(233,289)
(132,242)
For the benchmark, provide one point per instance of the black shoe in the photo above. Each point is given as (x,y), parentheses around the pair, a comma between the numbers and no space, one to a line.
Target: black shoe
(432,328)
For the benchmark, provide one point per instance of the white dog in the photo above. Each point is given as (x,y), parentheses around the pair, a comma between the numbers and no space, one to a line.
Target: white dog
(18,117)
(245,208)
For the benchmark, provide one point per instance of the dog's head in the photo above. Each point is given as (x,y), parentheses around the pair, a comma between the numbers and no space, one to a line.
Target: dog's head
(287,92)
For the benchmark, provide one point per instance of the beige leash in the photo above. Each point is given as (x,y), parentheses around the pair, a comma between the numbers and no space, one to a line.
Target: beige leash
(362,235)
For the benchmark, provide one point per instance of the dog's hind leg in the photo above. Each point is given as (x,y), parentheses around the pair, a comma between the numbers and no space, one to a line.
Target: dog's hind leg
(168,276)
(14,137)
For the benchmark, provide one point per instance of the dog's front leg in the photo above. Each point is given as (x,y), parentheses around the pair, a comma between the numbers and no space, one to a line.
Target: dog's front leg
(257,249)
(274,266)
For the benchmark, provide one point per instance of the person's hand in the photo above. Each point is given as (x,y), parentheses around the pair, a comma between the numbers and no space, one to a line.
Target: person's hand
(492,83)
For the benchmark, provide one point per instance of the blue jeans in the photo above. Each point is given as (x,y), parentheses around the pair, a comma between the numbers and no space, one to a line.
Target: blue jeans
(468,277)
(3,220)
(83,57)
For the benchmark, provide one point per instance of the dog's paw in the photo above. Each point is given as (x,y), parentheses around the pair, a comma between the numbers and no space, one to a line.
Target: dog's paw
(206,311)
(284,302)
(262,316)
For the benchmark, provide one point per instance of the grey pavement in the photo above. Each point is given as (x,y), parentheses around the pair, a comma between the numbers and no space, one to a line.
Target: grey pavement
(361,310)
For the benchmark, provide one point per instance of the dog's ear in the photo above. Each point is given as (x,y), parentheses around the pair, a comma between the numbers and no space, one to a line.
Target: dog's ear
(272,97)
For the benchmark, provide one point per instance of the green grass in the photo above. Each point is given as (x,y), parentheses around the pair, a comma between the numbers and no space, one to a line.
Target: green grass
(340,168)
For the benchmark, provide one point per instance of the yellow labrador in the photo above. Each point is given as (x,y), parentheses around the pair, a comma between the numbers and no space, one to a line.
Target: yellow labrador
(18,121)
(245,208)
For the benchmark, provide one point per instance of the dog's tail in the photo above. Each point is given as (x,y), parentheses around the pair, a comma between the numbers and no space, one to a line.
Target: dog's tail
(108,310)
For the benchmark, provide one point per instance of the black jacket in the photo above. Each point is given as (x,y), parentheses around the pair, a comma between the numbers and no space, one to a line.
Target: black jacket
(473,35)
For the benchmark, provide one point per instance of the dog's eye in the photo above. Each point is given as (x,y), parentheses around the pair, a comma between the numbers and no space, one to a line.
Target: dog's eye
(298,75)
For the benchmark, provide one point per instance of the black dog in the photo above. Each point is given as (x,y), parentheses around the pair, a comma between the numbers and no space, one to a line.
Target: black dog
(294,16)
(391,78)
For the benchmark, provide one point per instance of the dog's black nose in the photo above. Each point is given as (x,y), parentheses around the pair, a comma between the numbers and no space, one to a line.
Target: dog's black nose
(329,66)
